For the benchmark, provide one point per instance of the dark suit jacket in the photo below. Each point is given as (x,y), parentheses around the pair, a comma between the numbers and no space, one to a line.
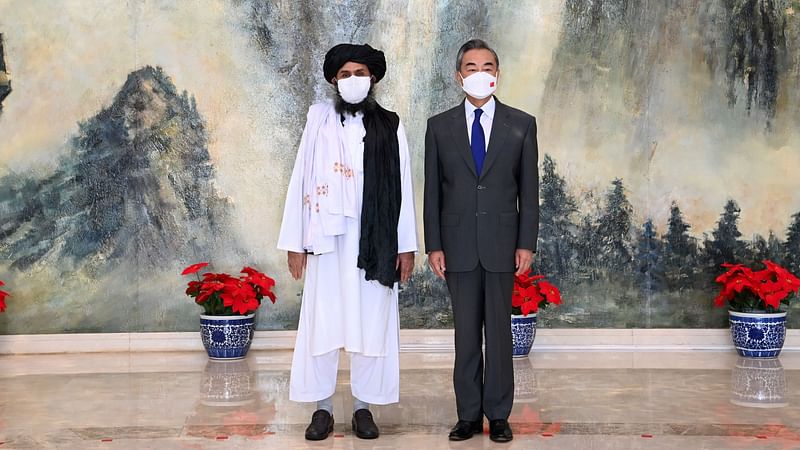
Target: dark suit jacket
(481,219)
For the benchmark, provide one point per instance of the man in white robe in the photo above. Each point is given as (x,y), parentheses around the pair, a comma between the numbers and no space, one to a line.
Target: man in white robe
(352,174)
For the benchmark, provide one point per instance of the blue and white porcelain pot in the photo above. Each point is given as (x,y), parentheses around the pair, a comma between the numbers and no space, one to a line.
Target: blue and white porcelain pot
(227,337)
(758,335)
(523,331)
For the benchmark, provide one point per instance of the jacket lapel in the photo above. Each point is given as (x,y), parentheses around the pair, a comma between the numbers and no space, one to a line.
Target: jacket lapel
(498,136)
(458,129)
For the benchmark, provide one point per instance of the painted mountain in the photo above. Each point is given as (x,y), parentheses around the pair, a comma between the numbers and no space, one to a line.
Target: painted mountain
(132,198)
(668,135)
(5,77)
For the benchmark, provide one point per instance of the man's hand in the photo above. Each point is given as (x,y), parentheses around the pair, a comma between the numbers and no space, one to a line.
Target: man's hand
(436,261)
(405,262)
(524,259)
(297,264)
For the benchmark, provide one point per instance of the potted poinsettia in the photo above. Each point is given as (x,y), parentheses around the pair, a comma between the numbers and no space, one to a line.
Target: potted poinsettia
(756,302)
(229,304)
(531,292)
(3,296)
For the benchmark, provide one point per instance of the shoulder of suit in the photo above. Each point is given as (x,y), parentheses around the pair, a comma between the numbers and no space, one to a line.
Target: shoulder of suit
(516,113)
(446,114)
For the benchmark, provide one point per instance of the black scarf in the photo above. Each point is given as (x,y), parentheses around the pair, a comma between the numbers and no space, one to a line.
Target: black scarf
(380,209)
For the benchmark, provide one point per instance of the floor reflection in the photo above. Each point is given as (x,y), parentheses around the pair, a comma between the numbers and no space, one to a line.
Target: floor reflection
(231,403)
(562,400)
(759,383)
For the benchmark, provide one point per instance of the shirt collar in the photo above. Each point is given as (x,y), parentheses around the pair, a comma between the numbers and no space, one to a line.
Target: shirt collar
(488,108)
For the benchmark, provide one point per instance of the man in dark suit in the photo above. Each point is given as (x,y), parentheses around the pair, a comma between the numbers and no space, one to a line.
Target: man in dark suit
(481,224)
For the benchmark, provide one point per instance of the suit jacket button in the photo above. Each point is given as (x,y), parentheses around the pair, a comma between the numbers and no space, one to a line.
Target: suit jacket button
(481,187)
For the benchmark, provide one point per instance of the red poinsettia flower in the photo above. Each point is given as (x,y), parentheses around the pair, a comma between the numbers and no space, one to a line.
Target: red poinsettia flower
(193,290)
(733,270)
(207,289)
(529,307)
(774,299)
(532,291)
(250,271)
(212,286)
(223,294)
(3,295)
(270,295)
(526,279)
(194,268)
(517,299)
(783,277)
(241,299)
(218,277)
(260,281)
(550,292)
(739,283)
(746,289)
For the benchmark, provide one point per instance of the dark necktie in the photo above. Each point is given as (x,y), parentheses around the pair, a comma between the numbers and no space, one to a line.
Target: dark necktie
(478,142)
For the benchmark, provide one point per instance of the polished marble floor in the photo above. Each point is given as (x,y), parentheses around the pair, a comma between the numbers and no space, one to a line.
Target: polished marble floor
(564,400)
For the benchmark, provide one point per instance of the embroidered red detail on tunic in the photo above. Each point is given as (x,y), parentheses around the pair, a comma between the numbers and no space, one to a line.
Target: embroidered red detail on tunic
(344,170)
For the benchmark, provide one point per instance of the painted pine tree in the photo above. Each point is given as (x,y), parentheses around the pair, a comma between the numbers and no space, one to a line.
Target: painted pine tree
(760,249)
(614,230)
(791,253)
(557,232)
(725,246)
(680,250)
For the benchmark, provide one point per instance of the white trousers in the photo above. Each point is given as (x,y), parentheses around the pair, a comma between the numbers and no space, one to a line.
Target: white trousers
(375,380)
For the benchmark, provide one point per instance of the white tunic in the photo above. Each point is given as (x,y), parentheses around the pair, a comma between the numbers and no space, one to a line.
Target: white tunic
(340,309)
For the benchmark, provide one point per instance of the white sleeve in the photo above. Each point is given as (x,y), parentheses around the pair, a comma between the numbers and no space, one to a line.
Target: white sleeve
(291,234)
(407,225)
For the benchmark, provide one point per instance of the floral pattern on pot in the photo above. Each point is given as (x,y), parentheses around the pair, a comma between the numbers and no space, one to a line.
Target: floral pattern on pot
(523,332)
(227,337)
(758,335)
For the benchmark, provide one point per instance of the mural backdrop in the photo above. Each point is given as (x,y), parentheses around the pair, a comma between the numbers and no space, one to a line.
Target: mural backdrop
(146,135)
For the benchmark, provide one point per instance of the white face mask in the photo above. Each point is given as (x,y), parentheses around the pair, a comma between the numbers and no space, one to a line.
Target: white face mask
(479,85)
(354,89)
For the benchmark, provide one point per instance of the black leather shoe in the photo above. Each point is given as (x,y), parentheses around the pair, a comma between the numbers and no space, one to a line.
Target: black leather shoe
(465,429)
(500,430)
(364,426)
(321,425)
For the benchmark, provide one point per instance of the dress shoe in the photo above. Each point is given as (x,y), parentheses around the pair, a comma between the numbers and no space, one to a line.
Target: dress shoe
(321,425)
(500,430)
(364,426)
(465,429)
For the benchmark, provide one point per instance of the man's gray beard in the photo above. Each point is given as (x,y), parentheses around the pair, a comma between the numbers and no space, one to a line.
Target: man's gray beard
(368,104)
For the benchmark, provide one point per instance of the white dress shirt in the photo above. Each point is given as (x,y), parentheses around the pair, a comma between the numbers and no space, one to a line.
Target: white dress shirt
(486,118)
